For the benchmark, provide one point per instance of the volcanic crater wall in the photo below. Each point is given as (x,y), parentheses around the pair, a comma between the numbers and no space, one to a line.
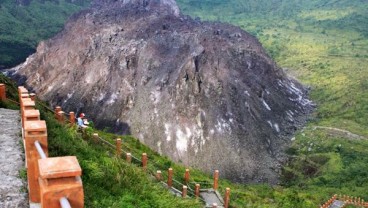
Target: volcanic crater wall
(205,94)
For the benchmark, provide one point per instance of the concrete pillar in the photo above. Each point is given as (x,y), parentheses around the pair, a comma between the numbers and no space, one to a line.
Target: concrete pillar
(158,175)
(170,177)
(227,198)
(196,192)
(60,177)
(215,179)
(128,157)
(22,91)
(30,115)
(118,147)
(26,104)
(2,92)
(144,161)
(184,192)
(34,131)
(72,117)
(186,176)
(32,96)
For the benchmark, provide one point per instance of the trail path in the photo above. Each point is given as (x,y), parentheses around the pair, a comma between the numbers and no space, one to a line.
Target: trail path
(337,204)
(12,188)
(340,132)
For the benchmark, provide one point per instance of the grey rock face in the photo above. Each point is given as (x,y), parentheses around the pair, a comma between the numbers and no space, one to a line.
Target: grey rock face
(205,94)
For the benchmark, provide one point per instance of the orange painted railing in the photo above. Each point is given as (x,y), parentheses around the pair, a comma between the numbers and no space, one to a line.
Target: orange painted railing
(64,172)
(52,182)
(347,200)
(183,189)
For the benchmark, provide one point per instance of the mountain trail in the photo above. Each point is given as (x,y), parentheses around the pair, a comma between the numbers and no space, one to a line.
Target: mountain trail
(12,187)
(339,132)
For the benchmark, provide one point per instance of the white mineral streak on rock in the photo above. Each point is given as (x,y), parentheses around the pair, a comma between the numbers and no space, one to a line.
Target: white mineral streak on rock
(270,123)
(182,139)
(112,98)
(49,88)
(265,104)
(167,132)
(276,127)
(159,150)
(68,96)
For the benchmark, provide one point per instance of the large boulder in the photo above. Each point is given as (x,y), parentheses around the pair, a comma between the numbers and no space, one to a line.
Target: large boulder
(205,94)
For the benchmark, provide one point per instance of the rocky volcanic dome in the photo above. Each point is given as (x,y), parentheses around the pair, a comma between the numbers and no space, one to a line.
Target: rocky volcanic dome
(205,94)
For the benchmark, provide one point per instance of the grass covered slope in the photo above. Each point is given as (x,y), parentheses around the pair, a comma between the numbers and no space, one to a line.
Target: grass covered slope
(23,26)
(325,45)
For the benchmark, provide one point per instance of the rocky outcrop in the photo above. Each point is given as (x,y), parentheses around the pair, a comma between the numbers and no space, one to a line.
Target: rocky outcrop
(205,94)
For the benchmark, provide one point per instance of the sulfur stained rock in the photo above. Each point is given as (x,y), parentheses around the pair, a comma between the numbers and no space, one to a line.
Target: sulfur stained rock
(205,94)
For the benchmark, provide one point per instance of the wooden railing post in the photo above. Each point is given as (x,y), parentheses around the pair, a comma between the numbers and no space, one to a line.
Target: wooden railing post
(186,176)
(32,96)
(2,92)
(184,192)
(60,177)
(118,147)
(215,180)
(95,138)
(227,198)
(57,110)
(158,175)
(128,157)
(170,178)
(72,117)
(197,187)
(60,116)
(144,161)
(34,131)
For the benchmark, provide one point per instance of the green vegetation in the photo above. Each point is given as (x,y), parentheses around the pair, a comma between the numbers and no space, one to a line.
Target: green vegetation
(322,43)
(325,45)
(22,27)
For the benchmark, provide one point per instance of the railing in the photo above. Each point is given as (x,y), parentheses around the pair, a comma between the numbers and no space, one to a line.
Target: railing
(346,200)
(38,140)
(184,190)
(52,182)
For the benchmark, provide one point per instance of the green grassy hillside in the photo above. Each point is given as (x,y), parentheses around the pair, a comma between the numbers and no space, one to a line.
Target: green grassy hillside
(325,45)
(22,27)
(322,43)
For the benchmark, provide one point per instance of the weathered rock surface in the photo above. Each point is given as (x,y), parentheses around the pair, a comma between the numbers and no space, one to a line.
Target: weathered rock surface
(206,94)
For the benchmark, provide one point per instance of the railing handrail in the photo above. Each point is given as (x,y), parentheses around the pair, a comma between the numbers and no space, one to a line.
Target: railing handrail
(40,150)
(64,203)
